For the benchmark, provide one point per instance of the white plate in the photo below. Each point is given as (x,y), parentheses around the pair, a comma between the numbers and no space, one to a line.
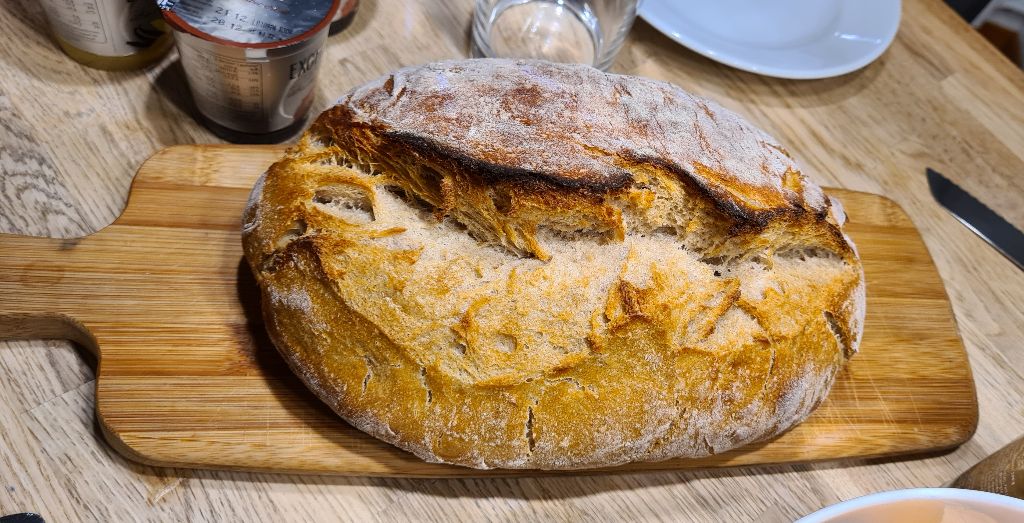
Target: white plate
(785,38)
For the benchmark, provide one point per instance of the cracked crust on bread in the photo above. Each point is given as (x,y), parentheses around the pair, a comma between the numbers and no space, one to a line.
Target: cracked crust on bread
(519,264)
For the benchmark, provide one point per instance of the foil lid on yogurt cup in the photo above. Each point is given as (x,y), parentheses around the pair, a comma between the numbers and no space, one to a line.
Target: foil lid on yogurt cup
(249,23)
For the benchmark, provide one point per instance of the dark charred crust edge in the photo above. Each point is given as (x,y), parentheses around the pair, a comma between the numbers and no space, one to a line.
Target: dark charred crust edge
(496,172)
(745,220)
(340,120)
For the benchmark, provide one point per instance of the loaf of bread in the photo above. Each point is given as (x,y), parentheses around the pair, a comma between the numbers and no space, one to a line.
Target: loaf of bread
(521,264)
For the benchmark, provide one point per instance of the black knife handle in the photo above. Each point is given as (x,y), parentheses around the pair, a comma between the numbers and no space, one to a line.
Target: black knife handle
(24,517)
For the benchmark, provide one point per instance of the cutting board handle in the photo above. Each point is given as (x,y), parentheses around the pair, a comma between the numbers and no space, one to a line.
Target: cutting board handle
(34,302)
(45,326)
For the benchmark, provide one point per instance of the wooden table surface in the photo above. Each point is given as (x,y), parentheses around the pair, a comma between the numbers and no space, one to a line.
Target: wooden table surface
(71,139)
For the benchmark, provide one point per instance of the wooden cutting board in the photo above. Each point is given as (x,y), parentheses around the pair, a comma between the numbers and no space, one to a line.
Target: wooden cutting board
(188,378)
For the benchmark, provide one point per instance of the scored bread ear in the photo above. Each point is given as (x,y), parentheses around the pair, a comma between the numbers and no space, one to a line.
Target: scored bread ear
(838,212)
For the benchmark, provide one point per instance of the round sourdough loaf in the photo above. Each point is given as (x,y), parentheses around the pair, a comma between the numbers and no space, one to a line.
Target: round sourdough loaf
(521,264)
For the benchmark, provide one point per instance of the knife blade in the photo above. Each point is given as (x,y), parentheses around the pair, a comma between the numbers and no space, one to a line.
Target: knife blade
(976,216)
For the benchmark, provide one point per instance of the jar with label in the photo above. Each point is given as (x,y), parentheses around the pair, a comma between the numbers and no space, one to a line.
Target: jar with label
(109,34)
(251,66)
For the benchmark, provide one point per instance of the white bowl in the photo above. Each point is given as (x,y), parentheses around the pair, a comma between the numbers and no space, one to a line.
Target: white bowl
(924,505)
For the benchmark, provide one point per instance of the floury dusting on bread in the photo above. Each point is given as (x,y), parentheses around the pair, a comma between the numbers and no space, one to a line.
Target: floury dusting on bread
(521,264)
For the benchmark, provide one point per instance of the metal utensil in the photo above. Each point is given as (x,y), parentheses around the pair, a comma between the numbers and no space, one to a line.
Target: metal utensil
(991,227)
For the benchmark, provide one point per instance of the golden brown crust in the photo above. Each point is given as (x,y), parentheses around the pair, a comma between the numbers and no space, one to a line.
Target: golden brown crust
(519,264)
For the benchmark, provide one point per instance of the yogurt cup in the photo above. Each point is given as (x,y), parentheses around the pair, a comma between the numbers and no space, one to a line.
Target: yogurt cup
(251,65)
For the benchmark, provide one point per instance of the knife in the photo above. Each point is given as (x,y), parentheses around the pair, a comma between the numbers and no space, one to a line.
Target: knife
(27,517)
(992,228)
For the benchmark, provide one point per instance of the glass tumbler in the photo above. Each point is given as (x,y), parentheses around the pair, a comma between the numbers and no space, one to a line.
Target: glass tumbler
(580,31)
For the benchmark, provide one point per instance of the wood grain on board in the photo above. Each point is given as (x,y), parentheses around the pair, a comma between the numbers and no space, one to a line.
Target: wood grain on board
(188,378)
